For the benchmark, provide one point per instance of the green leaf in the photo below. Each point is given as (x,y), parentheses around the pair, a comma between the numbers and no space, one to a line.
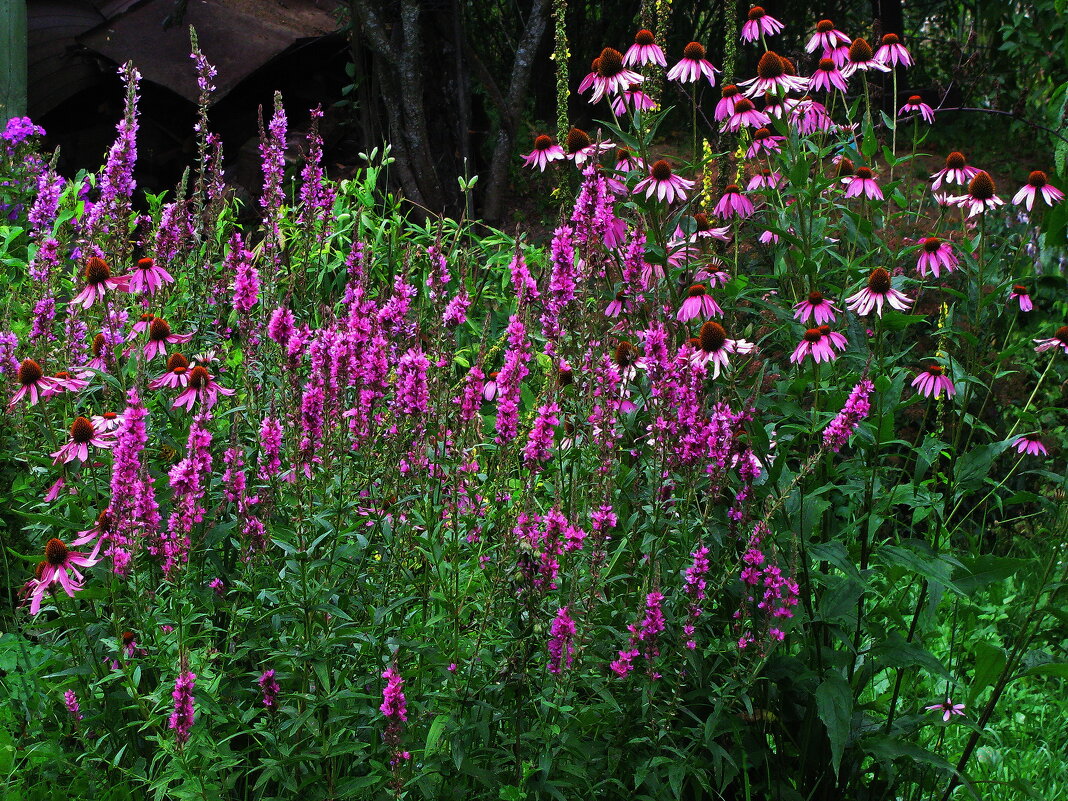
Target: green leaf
(834,702)
(979,571)
(434,734)
(1058,669)
(989,662)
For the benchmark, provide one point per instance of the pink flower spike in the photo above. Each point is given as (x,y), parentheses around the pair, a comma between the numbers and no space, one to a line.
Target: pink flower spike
(949,708)
(645,51)
(1037,186)
(544,152)
(1029,444)
(1020,293)
(693,65)
(759,23)
(915,105)
(932,382)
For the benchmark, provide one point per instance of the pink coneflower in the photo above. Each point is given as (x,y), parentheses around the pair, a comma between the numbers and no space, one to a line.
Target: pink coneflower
(580,147)
(745,114)
(693,65)
(177,374)
(862,182)
(956,171)
(817,307)
(1029,444)
(765,180)
(827,37)
(142,324)
(759,23)
(662,182)
(202,388)
(545,151)
(837,433)
(159,334)
(490,388)
(698,303)
(820,344)
(632,99)
(590,77)
(64,382)
(703,229)
(82,435)
(99,282)
(949,708)
(615,308)
(1058,340)
(892,53)
(32,383)
(98,362)
(725,107)
(876,293)
(808,116)
(861,59)
(933,381)
(772,77)
(826,77)
(613,76)
(764,141)
(628,161)
(914,105)
(644,51)
(1021,294)
(61,566)
(713,345)
(148,277)
(1037,184)
(936,255)
(981,195)
(733,203)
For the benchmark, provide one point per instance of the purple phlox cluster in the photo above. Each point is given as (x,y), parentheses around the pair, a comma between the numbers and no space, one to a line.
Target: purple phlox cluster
(608,401)
(562,282)
(246,277)
(70,700)
(394,707)
(549,536)
(281,326)
(593,220)
(44,314)
(634,265)
(269,687)
(456,311)
(356,270)
(218,586)
(19,129)
(470,400)
(46,260)
(696,583)
(234,482)
(116,180)
(172,238)
(182,717)
(561,641)
(206,72)
(319,396)
(189,480)
(522,281)
(133,512)
(856,408)
(316,195)
(509,380)
(540,443)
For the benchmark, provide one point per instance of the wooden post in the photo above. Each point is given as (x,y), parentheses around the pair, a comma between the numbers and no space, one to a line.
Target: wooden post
(12,59)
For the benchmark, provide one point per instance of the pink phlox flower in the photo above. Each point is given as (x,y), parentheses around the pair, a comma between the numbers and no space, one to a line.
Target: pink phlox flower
(632,99)
(1058,340)
(981,195)
(731,94)
(64,382)
(159,336)
(862,59)
(764,141)
(108,422)
(100,281)
(827,77)
(759,24)
(819,343)
(744,114)
(1037,186)
(612,75)
(1030,444)
(772,78)
(766,180)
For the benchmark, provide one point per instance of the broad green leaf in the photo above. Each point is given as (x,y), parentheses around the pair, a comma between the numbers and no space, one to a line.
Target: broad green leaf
(834,702)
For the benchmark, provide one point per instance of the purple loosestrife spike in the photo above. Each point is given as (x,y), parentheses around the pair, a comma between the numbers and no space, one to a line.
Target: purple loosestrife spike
(182,717)
(561,641)
(857,407)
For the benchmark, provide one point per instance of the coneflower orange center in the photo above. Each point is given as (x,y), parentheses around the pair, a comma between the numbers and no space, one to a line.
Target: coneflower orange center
(1037,179)
(915,99)
(731,189)
(577,139)
(761,133)
(626,354)
(543,142)
(712,337)
(931,244)
(611,63)
(935,369)
(63,375)
(198,377)
(956,161)
(98,344)
(891,39)
(56,552)
(756,12)
(696,291)
(827,65)
(661,170)
(743,105)
(824,330)
(982,186)
(770,66)
(879,281)
(864,173)
(643,37)
(824,26)
(845,167)
(144,264)
(788,66)
(813,335)
(1019,289)
(815,298)
(860,51)
(81,430)
(127,637)
(177,360)
(96,270)
(695,51)
(30,372)
(1062,334)
(730,90)
(159,330)
(701,219)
